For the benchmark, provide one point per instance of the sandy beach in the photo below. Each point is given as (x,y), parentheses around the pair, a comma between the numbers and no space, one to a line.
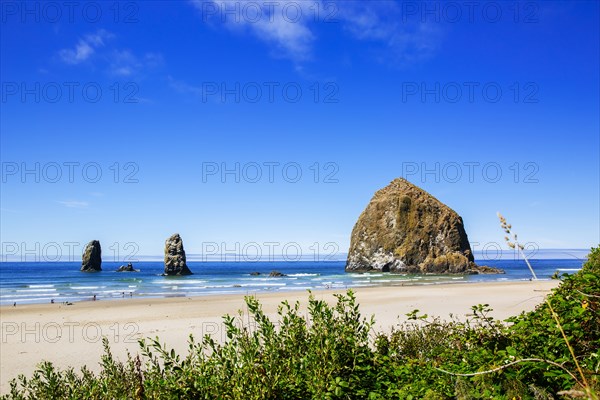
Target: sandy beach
(71,335)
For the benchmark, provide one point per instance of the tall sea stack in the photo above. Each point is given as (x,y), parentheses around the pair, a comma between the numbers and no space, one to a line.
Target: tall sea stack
(175,263)
(405,229)
(91,260)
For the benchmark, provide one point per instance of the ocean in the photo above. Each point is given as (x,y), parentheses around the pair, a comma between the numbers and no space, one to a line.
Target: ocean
(42,282)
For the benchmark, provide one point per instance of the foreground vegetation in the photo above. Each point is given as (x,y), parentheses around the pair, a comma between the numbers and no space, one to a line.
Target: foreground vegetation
(333,353)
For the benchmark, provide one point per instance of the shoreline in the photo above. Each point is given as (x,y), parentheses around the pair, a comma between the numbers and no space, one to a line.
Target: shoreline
(28,285)
(415,283)
(292,291)
(72,335)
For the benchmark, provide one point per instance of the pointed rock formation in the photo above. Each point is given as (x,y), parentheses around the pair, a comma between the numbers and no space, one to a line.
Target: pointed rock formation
(405,229)
(91,260)
(175,263)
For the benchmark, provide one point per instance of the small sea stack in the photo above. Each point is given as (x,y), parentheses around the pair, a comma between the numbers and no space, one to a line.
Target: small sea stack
(127,268)
(175,262)
(91,260)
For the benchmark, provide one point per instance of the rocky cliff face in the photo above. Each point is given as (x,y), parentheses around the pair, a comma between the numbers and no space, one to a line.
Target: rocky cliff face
(91,260)
(405,229)
(175,263)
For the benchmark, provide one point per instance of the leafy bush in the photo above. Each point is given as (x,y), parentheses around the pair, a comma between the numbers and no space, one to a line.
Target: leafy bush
(332,353)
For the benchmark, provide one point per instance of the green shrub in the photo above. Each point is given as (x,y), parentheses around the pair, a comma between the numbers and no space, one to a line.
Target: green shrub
(332,353)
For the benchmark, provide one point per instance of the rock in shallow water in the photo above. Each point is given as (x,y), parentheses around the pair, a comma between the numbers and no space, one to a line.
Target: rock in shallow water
(405,229)
(175,262)
(127,268)
(91,261)
(276,274)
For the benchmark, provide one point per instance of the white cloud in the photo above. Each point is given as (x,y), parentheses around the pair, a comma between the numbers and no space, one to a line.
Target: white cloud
(81,53)
(283,24)
(119,62)
(75,204)
(364,21)
(183,87)
(402,40)
(198,91)
(85,47)
(97,39)
(289,26)
(124,63)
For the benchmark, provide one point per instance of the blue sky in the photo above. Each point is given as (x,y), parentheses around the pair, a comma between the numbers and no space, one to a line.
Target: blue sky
(127,115)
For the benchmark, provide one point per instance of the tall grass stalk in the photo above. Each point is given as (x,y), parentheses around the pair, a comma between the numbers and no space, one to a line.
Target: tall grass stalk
(585,384)
(514,245)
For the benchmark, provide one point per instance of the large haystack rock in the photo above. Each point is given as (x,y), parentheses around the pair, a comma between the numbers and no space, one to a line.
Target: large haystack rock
(405,229)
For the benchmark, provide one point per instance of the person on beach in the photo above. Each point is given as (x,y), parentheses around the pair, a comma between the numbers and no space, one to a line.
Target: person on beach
(94,299)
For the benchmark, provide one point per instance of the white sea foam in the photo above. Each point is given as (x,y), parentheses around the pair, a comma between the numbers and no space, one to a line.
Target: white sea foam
(86,287)
(34,300)
(191,281)
(23,295)
(260,284)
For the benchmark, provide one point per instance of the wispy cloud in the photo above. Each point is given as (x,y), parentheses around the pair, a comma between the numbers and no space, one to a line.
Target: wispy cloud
(183,87)
(125,63)
(391,37)
(85,47)
(401,40)
(75,204)
(117,62)
(290,37)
